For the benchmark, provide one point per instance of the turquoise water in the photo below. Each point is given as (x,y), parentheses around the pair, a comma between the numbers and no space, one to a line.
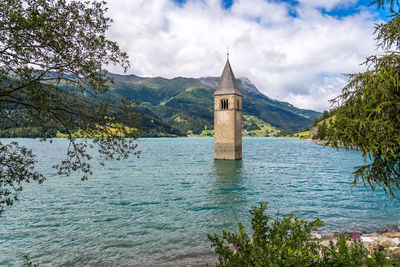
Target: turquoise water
(157,210)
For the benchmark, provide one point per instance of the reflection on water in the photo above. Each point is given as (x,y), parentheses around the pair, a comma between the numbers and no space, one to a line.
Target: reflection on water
(228,191)
(157,210)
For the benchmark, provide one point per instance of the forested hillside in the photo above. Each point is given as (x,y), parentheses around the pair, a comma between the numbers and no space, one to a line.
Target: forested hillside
(179,106)
(187,103)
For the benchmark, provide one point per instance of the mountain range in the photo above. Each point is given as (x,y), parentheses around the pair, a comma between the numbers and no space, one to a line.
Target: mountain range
(182,106)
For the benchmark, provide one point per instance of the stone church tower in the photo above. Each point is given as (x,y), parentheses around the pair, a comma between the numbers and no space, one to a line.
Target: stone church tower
(227,117)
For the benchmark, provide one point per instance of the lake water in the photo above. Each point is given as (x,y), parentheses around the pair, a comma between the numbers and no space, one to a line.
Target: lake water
(157,210)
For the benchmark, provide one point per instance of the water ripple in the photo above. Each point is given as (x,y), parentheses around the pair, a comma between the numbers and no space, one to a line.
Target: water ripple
(157,210)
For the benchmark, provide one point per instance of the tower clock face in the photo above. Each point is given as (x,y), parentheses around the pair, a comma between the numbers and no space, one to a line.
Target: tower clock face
(223,116)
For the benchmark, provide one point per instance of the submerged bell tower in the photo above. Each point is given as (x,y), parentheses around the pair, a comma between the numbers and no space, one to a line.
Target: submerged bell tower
(227,117)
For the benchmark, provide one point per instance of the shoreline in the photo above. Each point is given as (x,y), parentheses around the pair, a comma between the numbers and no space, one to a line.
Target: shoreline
(387,241)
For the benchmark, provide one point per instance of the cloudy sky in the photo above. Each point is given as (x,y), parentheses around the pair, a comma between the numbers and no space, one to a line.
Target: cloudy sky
(294,51)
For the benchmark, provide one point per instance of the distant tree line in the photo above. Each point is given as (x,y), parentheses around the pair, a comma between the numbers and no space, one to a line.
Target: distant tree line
(325,115)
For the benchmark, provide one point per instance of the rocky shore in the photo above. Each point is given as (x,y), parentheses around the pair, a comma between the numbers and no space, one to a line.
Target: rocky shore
(323,142)
(382,241)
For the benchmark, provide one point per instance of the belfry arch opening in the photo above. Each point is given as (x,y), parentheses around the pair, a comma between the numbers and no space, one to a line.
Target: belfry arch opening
(224,103)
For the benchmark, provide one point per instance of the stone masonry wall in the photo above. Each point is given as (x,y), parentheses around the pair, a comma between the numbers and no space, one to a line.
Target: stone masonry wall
(228,128)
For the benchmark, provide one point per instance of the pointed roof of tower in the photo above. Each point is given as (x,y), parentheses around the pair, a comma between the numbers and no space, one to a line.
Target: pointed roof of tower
(227,84)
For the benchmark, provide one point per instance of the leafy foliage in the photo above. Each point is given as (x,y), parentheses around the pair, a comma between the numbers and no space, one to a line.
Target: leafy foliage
(325,115)
(321,131)
(17,166)
(28,262)
(51,78)
(350,252)
(282,243)
(368,116)
(286,242)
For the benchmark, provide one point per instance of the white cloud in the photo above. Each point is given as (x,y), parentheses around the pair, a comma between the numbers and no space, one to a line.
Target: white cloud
(258,10)
(295,59)
(326,4)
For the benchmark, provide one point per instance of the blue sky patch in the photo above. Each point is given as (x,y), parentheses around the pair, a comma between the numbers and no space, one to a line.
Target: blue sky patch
(340,11)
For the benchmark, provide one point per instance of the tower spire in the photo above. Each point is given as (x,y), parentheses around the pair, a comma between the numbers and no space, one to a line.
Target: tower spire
(227,83)
(227,53)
